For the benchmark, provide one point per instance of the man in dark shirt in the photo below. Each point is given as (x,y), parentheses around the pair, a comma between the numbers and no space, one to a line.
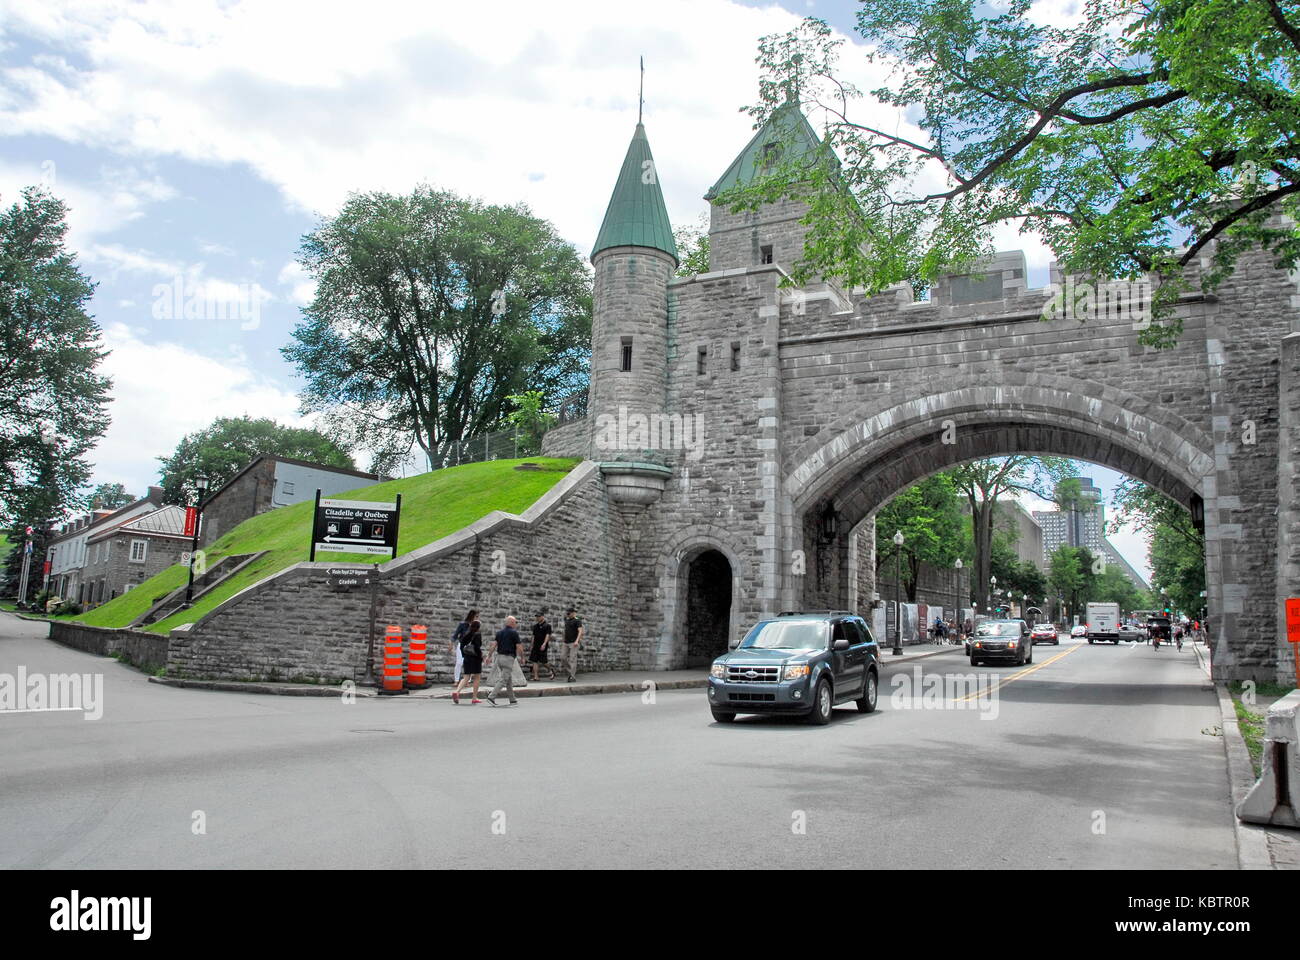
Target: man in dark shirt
(572,640)
(538,654)
(505,648)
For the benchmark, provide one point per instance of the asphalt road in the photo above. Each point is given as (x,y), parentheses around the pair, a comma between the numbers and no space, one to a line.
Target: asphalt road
(1095,758)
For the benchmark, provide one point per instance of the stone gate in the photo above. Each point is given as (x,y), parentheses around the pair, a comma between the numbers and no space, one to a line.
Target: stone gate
(747,431)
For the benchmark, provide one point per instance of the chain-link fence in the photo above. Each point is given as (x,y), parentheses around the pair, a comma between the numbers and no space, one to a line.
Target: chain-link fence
(509,444)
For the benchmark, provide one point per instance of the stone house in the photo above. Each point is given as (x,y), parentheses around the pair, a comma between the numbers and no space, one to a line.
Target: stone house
(68,549)
(123,555)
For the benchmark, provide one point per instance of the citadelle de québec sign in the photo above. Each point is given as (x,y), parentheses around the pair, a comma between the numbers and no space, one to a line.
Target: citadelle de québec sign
(355,526)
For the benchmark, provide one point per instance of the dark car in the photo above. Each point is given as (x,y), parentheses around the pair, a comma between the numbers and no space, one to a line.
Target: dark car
(798,663)
(1001,640)
(1158,628)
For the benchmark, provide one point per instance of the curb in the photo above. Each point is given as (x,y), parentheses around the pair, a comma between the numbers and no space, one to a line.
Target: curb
(1252,841)
(588,689)
(236,686)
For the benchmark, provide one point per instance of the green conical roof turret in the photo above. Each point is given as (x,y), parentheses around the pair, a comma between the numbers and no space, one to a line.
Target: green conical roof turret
(636,216)
(787,136)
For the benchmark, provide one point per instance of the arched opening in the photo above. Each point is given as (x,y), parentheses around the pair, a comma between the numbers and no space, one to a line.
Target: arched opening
(838,480)
(707,610)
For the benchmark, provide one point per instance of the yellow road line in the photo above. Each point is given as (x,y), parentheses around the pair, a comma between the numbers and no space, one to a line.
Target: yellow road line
(1016,676)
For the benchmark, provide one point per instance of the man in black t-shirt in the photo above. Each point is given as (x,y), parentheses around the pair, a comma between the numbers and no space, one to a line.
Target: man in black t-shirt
(538,655)
(572,640)
(505,649)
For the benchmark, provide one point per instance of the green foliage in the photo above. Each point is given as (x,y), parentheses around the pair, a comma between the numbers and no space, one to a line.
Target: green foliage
(433,505)
(229,444)
(928,515)
(1136,142)
(1177,551)
(530,420)
(693,248)
(984,483)
(430,311)
(110,496)
(53,403)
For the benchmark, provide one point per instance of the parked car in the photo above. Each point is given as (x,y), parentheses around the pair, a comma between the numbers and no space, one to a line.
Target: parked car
(800,663)
(1130,632)
(1045,633)
(1079,631)
(1002,640)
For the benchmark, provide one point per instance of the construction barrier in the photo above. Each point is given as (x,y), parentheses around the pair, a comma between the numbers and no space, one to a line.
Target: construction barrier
(416,658)
(392,682)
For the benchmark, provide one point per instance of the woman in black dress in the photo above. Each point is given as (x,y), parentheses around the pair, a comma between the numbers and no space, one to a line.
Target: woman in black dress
(471,648)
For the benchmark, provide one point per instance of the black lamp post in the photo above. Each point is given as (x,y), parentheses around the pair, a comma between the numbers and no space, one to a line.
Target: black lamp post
(898,592)
(993,592)
(200,484)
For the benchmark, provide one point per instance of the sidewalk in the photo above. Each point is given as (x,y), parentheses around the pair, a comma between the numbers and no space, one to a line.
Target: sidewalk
(1258,847)
(612,681)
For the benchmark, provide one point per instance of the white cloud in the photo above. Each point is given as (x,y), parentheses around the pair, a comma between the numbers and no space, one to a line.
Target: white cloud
(117,196)
(491,100)
(302,286)
(161,391)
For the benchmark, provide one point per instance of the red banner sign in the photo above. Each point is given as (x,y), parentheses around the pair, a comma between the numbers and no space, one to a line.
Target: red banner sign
(191,520)
(1293,619)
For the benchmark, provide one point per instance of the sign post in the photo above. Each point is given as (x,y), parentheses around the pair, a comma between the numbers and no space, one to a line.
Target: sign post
(357,526)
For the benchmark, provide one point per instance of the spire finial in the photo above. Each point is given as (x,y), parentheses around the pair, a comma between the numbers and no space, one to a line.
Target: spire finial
(640,103)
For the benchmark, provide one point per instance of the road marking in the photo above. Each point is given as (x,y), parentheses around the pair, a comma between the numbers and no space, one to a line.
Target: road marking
(1016,676)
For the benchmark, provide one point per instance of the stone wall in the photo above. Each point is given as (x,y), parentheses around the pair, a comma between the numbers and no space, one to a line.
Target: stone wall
(570,440)
(148,651)
(293,626)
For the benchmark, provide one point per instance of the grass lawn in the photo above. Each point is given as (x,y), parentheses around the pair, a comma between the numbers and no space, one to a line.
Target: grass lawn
(433,506)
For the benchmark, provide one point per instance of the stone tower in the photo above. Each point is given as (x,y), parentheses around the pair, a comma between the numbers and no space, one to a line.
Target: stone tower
(634,258)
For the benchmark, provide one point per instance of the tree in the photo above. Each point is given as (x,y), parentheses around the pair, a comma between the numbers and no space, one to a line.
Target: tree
(1144,138)
(1177,547)
(12,564)
(693,248)
(530,420)
(430,311)
(1069,574)
(985,482)
(53,403)
(928,515)
(110,496)
(229,444)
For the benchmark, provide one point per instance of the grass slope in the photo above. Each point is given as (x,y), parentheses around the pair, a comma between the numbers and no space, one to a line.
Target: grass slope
(433,505)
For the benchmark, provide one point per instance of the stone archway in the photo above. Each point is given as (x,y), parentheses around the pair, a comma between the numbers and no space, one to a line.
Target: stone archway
(835,484)
(707,608)
(699,588)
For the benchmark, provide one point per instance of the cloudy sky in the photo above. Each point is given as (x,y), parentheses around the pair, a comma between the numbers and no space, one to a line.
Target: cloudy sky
(196,142)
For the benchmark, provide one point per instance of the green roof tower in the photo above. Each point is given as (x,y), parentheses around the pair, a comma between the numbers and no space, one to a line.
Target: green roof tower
(634,258)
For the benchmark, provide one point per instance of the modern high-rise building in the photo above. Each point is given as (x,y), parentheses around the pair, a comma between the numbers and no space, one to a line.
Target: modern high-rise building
(1084,526)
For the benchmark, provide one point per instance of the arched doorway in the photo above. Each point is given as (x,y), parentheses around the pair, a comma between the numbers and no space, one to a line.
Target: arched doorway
(707,610)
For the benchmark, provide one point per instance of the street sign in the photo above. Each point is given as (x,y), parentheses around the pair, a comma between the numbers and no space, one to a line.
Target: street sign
(349,576)
(355,526)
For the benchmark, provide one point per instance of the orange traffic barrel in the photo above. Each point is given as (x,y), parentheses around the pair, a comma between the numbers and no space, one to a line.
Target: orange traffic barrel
(416,657)
(392,660)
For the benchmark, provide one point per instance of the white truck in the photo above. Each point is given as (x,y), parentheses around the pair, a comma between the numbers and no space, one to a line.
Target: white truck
(1103,622)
